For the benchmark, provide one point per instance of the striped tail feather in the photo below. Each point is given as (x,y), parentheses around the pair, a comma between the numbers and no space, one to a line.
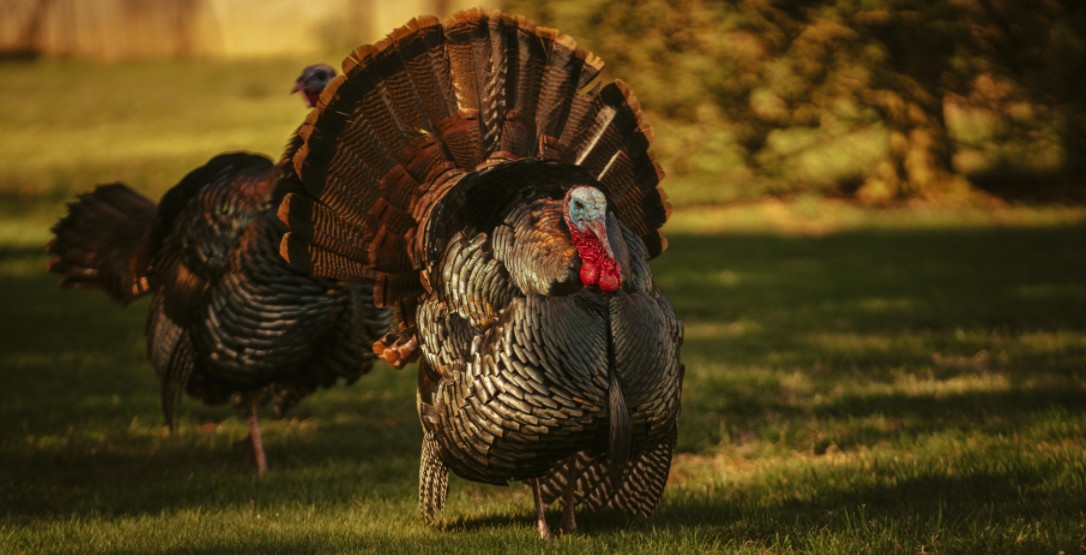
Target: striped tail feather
(100,242)
(433,102)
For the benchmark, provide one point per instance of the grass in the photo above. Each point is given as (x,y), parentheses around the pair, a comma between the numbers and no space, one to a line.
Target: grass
(857,381)
(66,125)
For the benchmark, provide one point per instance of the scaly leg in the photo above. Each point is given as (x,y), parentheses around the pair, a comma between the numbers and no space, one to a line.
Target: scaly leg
(570,472)
(569,523)
(541,519)
(254,436)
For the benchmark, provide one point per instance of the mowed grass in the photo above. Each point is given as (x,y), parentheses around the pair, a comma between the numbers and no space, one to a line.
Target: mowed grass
(68,125)
(856,381)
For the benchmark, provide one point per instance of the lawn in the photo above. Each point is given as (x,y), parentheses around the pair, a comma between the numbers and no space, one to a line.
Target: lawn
(857,381)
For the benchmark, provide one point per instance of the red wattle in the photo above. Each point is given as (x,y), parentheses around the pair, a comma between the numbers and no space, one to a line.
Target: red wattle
(597,268)
(610,281)
(590,274)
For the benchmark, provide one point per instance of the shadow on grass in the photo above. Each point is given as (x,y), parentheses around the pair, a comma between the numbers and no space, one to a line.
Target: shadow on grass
(886,505)
(877,282)
(255,544)
(969,504)
(83,433)
(859,421)
(588,522)
(1002,307)
(130,474)
(852,307)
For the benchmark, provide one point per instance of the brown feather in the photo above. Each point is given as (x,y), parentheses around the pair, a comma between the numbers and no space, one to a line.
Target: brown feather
(101,242)
(478,83)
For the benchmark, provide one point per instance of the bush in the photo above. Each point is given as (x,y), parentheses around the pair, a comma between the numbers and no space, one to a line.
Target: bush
(881,101)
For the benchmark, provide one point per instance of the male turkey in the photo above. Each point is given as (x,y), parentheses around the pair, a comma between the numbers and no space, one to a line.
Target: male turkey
(229,318)
(312,81)
(507,204)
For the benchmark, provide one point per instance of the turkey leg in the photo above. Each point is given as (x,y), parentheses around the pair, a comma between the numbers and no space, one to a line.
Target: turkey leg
(540,518)
(569,523)
(254,436)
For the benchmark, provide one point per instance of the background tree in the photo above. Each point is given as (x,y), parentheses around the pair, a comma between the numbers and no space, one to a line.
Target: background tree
(882,101)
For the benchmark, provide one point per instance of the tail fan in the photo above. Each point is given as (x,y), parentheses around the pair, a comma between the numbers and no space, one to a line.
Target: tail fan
(99,243)
(393,137)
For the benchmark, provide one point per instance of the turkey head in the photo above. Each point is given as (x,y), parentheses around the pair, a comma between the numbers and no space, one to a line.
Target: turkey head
(312,81)
(585,212)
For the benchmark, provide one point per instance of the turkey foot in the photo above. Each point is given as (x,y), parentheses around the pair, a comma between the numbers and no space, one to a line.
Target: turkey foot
(254,436)
(540,518)
(398,348)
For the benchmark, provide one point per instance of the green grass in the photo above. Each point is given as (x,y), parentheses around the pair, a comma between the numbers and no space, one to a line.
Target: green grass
(897,381)
(67,125)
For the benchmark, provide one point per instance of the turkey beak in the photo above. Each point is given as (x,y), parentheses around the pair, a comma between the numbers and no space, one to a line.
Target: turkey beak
(298,85)
(598,227)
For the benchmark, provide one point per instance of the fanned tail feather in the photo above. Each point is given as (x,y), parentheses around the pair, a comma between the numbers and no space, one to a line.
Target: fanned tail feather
(412,115)
(99,243)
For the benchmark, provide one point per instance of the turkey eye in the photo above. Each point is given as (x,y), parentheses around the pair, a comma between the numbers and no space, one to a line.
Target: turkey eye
(578,205)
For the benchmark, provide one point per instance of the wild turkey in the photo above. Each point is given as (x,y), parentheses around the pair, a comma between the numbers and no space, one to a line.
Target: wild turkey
(229,319)
(507,203)
(312,81)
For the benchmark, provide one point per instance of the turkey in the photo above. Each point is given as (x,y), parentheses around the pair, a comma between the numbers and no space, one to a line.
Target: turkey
(312,81)
(229,319)
(506,202)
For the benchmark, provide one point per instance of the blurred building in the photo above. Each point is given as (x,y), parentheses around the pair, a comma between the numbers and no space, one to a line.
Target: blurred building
(109,30)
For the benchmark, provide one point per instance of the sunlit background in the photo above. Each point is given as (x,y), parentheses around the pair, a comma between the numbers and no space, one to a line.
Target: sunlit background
(881,102)
(877,248)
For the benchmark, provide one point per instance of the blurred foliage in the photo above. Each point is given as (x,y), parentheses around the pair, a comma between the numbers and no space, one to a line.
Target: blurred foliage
(881,100)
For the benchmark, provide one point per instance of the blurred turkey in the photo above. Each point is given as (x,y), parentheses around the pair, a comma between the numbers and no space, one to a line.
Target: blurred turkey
(229,320)
(506,202)
(312,82)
